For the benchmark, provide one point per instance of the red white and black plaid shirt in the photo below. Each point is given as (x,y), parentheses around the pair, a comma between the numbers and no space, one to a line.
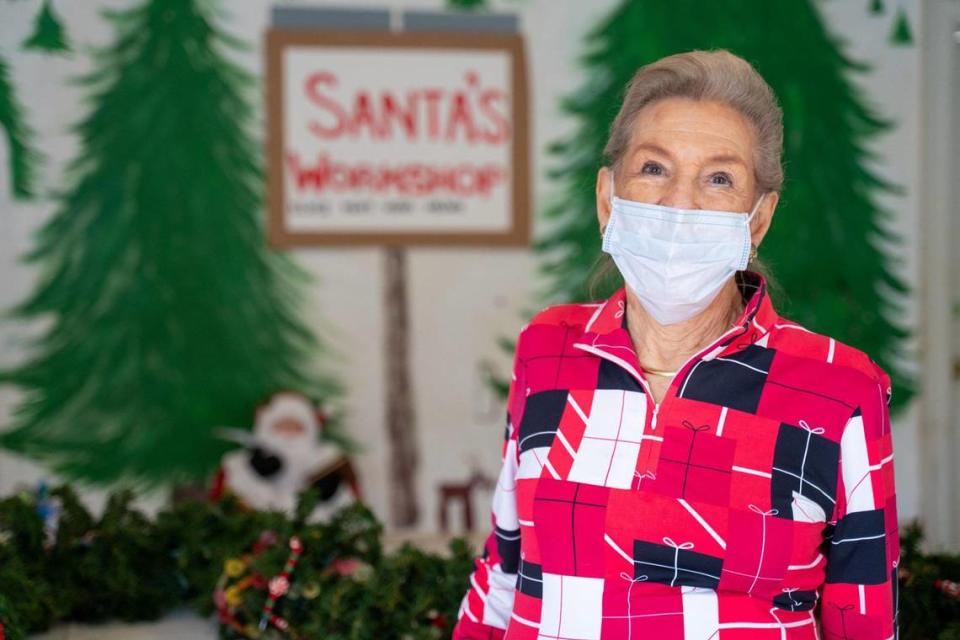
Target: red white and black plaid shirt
(760,487)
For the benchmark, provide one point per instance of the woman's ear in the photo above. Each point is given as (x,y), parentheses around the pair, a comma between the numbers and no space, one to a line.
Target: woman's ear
(764,217)
(604,192)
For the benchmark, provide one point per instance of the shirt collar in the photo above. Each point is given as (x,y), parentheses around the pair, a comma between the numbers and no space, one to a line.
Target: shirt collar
(606,332)
(753,286)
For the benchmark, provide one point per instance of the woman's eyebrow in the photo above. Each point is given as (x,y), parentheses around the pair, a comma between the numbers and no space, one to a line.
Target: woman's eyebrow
(717,159)
(650,146)
(726,157)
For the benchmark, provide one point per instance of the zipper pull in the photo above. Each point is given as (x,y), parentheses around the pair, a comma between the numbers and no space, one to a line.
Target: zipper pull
(656,410)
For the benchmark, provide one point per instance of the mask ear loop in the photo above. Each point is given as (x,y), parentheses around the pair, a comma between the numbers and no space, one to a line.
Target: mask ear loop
(756,206)
(753,247)
(612,196)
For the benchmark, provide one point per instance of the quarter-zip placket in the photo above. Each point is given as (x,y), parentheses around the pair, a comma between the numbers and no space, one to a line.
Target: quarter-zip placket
(670,392)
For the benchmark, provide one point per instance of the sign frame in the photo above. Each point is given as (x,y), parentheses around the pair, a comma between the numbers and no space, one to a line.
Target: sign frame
(277,40)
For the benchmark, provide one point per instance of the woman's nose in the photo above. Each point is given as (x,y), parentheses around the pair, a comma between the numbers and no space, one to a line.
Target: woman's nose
(678,195)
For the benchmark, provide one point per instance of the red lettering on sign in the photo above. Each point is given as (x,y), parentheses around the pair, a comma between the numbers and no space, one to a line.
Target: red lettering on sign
(406,116)
(472,115)
(407,179)
(312,89)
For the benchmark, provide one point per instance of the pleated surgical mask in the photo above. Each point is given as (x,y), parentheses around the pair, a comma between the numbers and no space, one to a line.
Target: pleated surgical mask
(675,260)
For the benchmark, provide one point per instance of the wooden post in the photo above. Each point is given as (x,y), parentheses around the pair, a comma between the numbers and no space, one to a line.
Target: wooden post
(404,458)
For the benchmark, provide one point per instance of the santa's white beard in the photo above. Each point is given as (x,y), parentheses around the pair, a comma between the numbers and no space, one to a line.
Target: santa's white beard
(300,462)
(256,491)
(301,458)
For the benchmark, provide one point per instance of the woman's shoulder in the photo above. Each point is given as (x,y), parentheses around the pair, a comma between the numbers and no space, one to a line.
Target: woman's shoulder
(564,317)
(794,339)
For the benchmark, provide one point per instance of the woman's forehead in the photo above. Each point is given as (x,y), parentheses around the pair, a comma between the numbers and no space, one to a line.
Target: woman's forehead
(689,127)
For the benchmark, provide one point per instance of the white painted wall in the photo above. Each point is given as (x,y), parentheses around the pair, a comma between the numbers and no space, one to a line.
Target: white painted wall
(462,299)
(938,437)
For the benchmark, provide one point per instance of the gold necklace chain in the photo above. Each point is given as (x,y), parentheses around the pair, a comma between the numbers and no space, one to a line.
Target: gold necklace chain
(660,372)
(665,373)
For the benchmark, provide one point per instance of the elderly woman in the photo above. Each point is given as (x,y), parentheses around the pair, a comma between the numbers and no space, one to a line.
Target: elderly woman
(679,460)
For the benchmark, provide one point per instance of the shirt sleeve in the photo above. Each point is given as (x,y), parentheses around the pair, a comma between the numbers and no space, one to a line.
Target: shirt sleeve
(485,609)
(859,600)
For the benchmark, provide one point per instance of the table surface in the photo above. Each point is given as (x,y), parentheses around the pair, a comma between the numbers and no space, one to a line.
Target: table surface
(180,624)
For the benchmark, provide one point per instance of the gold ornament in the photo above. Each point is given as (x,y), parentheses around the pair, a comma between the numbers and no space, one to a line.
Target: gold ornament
(233,567)
(232,596)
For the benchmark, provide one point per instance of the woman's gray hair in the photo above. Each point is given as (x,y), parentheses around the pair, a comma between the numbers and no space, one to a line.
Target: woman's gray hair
(707,75)
(701,75)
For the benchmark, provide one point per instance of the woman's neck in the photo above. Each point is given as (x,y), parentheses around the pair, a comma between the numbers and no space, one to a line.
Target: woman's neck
(668,347)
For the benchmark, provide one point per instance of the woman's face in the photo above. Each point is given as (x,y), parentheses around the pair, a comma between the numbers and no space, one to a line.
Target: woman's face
(689,154)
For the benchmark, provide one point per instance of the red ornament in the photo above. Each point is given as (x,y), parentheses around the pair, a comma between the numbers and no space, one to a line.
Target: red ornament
(345,566)
(438,620)
(267,539)
(279,586)
(948,587)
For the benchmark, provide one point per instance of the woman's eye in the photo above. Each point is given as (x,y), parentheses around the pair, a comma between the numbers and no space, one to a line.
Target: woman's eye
(652,168)
(721,179)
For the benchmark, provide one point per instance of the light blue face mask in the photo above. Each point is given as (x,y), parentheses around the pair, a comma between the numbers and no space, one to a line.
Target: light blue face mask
(676,261)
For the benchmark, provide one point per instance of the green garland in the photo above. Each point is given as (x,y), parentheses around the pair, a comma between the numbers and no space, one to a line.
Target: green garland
(177,559)
(925,610)
(193,549)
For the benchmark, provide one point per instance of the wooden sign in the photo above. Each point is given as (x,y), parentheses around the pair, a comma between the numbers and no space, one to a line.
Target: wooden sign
(379,138)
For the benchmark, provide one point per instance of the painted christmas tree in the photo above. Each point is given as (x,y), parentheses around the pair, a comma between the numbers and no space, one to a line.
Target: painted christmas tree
(824,247)
(23,159)
(169,316)
(48,34)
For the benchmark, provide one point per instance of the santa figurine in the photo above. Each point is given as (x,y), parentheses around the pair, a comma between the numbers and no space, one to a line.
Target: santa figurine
(284,456)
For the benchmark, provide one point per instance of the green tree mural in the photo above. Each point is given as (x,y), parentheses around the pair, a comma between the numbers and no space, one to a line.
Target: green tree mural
(169,315)
(48,34)
(825,246)
(23,158)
